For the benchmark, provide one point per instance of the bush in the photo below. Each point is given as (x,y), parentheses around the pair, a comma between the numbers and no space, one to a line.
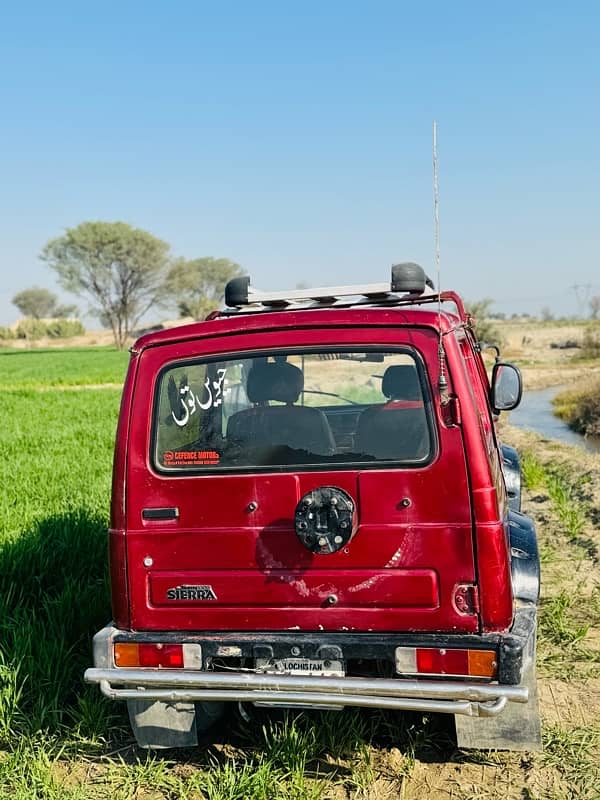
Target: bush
(64,328)
(6,333)
(483,327)
(581,409)
(53,328)
(31,329)
(590,347)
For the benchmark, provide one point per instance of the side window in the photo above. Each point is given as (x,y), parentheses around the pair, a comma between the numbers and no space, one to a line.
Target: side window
(481,399)
(293,409)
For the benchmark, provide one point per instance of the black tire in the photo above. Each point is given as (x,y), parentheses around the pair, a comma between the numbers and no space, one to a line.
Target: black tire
(511,467)
(207,714)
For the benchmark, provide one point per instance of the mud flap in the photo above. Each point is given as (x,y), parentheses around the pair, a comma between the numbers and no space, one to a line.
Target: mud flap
(517,727)
(158,725)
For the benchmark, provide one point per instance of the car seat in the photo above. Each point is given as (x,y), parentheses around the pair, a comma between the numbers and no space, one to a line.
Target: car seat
(289,425)
(396,429)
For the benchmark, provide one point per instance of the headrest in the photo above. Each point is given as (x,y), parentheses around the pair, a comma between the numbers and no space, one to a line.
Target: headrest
(274,381)
(401,382)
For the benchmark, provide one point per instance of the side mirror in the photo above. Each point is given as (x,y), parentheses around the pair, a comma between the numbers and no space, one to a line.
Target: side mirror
(506,387)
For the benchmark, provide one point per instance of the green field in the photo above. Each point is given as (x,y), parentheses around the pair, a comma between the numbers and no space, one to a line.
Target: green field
(85,366)
(59,739)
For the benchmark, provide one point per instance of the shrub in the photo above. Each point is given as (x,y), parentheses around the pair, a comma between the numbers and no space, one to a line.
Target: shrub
(581,409)
(53,328)
(31,329)
(64,328)
(591,342)
(6,333)
(483,327)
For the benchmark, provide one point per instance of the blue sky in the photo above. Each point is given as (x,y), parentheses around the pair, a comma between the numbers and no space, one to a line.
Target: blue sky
(295,138)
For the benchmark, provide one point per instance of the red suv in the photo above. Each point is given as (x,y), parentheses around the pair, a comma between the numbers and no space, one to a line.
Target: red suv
(311,508)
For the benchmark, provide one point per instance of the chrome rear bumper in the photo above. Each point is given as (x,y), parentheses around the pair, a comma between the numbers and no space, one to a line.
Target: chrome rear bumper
(470,699)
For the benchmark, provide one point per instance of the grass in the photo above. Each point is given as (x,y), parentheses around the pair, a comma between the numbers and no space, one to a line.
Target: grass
(567,507)
(534,473)
(574,755)
(557,626)
(56,469)
(563,490)
(60,740)
(53,584)
(32,369)
(346,392)
(566,613)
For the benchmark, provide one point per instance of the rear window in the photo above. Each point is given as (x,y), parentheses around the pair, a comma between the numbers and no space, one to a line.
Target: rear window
(292,409)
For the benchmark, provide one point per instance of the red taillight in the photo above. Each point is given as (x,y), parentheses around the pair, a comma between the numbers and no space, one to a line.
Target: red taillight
(446,661)
(154,655)
(161,655)
(442,662)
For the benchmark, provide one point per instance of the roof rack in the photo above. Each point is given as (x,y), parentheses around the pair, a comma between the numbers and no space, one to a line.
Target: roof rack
(407,287)
(407,278)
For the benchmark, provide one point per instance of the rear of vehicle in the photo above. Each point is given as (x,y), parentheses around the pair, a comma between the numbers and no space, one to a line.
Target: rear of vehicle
(304,516)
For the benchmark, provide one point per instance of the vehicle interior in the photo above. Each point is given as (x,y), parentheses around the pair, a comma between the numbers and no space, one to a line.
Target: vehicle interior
(284,409)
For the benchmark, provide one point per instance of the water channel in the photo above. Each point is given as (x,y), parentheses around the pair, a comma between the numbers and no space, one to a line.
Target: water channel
(535,413)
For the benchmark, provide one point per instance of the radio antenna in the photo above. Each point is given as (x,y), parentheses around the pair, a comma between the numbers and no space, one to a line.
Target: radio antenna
(442,382)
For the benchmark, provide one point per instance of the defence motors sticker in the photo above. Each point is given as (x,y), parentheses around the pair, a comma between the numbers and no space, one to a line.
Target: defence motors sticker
(186,592)
(190,458)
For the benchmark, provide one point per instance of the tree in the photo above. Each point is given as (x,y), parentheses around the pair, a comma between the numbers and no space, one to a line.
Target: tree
(120,269)
(482,326)
(595,306)
(198,286)
(41,303)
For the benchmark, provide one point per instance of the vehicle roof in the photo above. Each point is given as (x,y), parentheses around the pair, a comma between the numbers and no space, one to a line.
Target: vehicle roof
(327,317)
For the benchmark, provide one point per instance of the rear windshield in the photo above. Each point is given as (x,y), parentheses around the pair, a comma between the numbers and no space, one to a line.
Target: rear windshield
(293,409)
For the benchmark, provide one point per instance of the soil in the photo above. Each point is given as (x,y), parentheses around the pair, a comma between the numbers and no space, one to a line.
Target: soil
(529,344)
(569,694)
(569,701)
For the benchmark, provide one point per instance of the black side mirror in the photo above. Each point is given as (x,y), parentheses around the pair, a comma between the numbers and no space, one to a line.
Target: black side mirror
(506,387)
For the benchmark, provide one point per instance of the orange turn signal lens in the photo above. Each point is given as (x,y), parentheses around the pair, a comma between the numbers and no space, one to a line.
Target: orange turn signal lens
(482,663)
(127,654)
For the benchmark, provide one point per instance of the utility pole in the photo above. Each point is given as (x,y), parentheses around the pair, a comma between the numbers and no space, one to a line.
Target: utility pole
(582,295)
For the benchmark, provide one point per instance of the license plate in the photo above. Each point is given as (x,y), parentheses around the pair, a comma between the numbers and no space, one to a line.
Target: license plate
(300,666)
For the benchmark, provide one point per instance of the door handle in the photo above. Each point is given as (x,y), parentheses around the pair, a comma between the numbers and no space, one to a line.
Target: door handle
(160,513)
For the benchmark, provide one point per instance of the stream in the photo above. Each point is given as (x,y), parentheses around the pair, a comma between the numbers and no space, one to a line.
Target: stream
(536,413)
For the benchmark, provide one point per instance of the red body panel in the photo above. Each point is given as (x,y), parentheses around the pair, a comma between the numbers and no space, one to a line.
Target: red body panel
(401,570)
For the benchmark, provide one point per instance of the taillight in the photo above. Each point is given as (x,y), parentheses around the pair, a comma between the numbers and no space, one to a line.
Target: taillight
(158,655)
(446,661)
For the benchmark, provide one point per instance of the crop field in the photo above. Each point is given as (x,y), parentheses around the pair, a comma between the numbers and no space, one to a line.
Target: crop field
(60,740)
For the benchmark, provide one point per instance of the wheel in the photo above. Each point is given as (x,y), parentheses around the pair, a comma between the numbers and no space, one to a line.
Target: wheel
(207,714)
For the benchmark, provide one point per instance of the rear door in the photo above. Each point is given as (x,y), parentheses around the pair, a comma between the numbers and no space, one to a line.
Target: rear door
(212,487)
